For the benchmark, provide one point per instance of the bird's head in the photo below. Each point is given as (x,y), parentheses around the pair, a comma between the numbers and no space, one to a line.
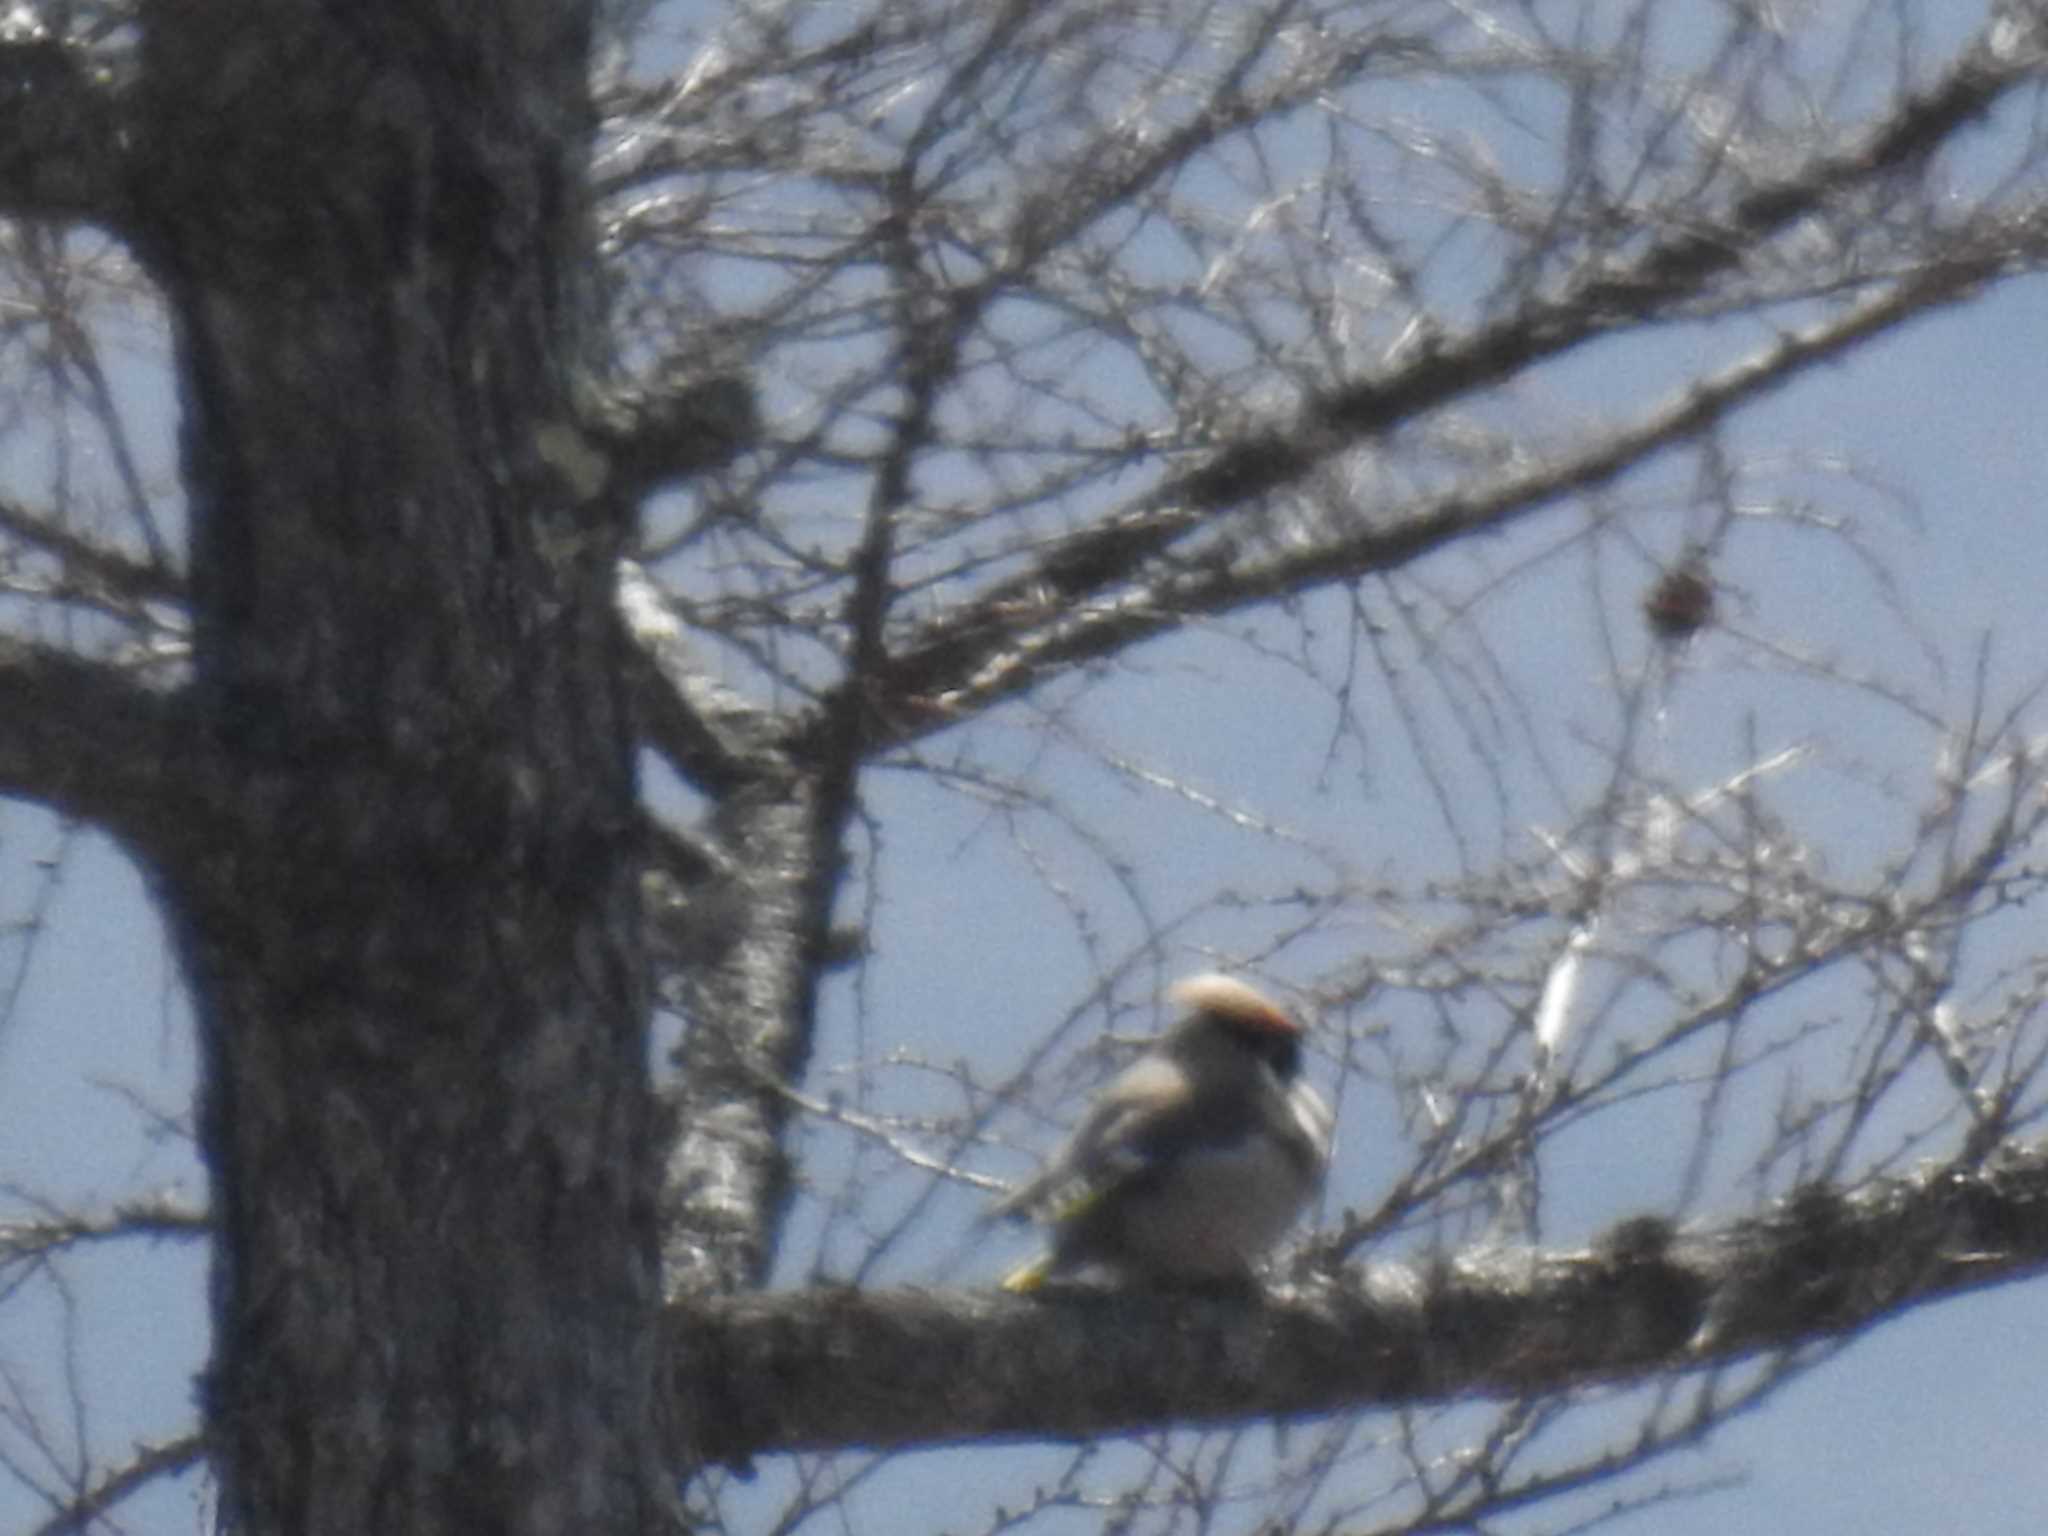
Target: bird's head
(1222,1007)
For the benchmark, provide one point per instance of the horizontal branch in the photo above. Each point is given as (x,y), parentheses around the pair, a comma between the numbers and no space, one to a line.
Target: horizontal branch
(88,740)
(844,1369)
(152,1218)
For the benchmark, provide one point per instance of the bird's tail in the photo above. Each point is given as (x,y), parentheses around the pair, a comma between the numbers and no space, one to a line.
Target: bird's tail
(1027,1278)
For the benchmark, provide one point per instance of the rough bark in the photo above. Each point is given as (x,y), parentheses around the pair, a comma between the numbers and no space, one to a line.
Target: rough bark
(93,744)
(892,1369)
(751,1001)
(410,917)
(742,917)
(60,154)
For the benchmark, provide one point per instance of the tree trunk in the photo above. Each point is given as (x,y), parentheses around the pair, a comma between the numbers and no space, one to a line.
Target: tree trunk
(411,922)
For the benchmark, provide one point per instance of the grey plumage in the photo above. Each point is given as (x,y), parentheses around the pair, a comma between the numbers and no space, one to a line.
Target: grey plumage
(1194,1160)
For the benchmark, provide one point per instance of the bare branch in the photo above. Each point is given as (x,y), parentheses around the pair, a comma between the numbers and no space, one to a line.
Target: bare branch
(939,694)
(1671,272)
(711,735)
(893,1369)
(91,569)
(654,437)
(86,739)
(764,933)
(150,1463)
(155,1218)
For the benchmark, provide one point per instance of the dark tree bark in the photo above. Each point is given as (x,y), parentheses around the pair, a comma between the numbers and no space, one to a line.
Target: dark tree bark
(408,901)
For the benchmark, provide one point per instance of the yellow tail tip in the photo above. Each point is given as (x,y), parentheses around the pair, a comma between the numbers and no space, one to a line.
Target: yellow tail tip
(1026,1278)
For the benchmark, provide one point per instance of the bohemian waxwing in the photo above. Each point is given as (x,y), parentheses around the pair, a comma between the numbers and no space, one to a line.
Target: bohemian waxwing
(1192,1161)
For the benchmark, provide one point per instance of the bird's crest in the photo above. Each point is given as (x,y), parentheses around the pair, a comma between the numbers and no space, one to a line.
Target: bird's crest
(1226,996)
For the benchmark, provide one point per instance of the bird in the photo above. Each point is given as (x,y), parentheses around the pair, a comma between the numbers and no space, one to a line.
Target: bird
(1193,1160)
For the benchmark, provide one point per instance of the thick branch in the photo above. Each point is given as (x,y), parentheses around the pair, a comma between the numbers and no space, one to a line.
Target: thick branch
(902,1368)
(60,153)
(760,936)
(711,736)
(89,741)
(656,437)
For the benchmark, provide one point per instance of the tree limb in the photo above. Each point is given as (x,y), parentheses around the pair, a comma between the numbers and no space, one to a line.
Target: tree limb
(655,437)
(60,150)
(86,739)
(149,1218)
(763,934)
(709,734)
(92,569)
(150,1463)
(902,1368)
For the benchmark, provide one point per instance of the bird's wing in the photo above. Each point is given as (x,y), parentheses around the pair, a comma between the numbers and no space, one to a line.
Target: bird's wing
(1093,1155)
(1311,1129)
(1152,1112)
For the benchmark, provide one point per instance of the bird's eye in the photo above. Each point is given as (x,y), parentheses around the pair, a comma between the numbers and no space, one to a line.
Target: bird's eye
(1282,1053)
